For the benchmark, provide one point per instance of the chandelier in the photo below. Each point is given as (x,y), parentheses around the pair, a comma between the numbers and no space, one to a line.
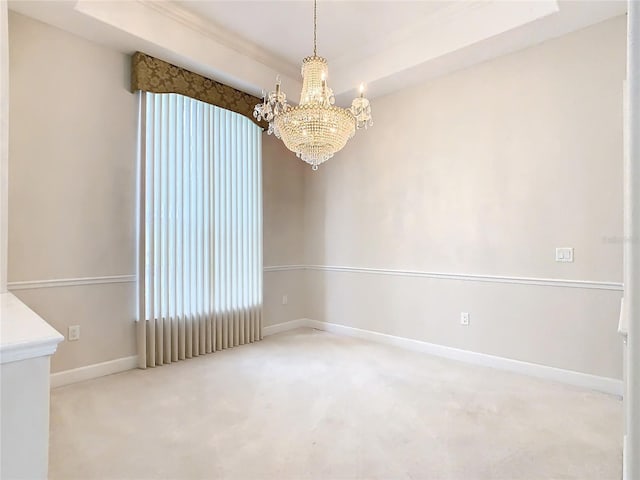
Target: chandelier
(316,128)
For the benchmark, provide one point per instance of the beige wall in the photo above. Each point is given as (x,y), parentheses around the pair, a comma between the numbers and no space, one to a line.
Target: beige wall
(485,171)
(283,188)
(72,193)
(72,163)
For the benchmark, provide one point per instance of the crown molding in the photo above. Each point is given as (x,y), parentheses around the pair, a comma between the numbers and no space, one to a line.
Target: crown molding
(223,36)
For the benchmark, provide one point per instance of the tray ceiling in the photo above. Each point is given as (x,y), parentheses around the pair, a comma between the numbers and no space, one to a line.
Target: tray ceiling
(387,44)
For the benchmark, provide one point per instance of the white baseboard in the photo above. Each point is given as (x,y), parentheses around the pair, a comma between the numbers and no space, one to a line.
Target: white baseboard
(284,326)
(607,385)
(96,370)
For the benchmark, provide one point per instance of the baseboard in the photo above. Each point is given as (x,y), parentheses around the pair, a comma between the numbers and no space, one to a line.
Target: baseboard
(284,326)
(96,370)
(607,385)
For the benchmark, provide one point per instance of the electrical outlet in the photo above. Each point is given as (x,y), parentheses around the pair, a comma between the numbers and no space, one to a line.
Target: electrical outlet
(74,333)
(285,299)
(464,319)
(564,254)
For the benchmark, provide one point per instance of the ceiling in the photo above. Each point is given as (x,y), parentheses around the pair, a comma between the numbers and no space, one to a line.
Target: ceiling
(389,45)
(345,29)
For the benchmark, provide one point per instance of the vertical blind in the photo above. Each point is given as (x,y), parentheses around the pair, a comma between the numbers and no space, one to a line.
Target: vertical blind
(200,267)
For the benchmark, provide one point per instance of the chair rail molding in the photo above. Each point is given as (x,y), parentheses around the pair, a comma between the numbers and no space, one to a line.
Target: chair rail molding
(469,277)
(70,282)
(548,282)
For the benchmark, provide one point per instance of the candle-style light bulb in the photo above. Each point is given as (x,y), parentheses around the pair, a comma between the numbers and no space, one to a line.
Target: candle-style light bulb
(361,90)
(277,85)
(324,86)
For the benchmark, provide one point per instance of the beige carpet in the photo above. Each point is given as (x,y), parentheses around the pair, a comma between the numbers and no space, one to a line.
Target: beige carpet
(312,405)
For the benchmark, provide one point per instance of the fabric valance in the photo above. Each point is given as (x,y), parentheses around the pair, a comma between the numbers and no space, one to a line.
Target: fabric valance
(153,75)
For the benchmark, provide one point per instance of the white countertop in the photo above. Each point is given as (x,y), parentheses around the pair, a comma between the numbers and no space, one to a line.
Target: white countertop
(23,334)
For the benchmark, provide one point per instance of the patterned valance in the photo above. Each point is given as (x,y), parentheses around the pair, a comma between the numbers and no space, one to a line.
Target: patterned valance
(157,76)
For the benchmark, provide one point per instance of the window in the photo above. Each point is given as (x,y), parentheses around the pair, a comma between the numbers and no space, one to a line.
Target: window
(201,224)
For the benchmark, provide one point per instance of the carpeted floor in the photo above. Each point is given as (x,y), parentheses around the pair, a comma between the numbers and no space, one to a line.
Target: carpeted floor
(311,405)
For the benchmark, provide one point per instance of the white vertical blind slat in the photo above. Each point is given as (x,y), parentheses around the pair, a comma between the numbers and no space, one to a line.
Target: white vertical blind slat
(178,340)
(258,251)
(184,208)
(224,227)
(173,228)
(197,207)
(234,232)
(216,227)
(191,180)
(150,237)
(169,132)
(227,232)
(204,269)
(186,230)
(258,271)
(212,325)
(206,182)
(243,236)
(252,239)
(252,257)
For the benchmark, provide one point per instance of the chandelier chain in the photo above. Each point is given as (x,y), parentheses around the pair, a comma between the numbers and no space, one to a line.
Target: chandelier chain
(315,27)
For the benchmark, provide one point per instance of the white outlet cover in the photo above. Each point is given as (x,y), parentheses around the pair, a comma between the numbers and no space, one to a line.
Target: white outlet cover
(464,318)
(564,254)
(74,333)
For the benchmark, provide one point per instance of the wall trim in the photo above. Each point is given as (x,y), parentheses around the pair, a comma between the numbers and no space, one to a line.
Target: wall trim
(70,282)
(96,370)
(285,326)
(284,268)
(469,277)
(548,282)
(223,36)
(606,385)
(88,372)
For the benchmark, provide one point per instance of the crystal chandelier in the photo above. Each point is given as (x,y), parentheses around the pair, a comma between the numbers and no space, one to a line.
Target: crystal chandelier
(316,128)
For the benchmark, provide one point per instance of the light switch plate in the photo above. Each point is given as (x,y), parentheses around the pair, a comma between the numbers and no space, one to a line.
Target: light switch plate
(74,333)
(564,254)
